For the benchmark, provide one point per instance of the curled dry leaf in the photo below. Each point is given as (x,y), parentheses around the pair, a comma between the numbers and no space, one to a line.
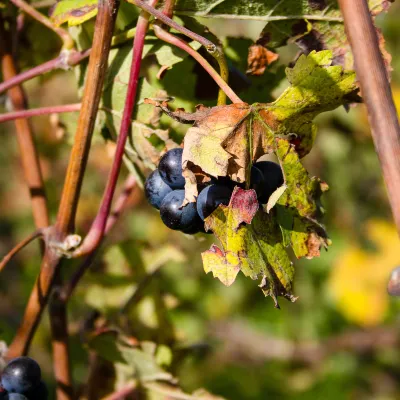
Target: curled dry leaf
(259,58)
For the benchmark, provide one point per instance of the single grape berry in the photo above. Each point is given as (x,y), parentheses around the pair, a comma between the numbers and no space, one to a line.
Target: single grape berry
(170,168)
(211,197)
(156,189)
(174,216)
(21,375)
(272,179)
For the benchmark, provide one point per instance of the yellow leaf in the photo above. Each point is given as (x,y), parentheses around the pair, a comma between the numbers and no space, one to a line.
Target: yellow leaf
(359,278)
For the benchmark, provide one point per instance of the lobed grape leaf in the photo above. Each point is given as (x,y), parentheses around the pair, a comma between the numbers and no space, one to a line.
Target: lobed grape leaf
(75,12)
(311,24)
(255,248)
(226,140)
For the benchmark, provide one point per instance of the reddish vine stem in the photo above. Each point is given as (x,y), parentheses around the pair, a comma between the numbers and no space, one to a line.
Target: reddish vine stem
(62,33)
(65,60)
(174,40)
(96,232)
(29,155)
(104,27)
(168,8)
(120,205)
(375,88)
(34,112)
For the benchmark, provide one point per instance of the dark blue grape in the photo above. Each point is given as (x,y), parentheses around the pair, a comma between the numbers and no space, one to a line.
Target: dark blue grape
(156,189)
(174,216)
(21,375)
(211,197)
(272,179)
(170,168)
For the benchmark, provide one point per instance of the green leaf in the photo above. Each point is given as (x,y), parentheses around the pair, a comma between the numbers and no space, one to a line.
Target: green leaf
(312,25)
(255,248)
(112,346)
(75,12)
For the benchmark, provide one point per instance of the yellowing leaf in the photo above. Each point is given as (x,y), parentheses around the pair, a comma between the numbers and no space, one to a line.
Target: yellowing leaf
(254,247)
(75,12)
(359,278)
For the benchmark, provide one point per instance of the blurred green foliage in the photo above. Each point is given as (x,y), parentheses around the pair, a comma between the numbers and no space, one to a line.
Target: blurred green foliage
(231,341)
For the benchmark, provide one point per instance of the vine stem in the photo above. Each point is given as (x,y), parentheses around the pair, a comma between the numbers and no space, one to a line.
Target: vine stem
(120,205)
(174,40)
(62,33)
(104,26)
(38,233)
(165,17)
(26,143)
(33,112)
(65,60)
(375,88)
(96,232)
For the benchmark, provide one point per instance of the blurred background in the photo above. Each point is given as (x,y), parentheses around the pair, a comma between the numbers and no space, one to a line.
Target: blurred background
(340,340)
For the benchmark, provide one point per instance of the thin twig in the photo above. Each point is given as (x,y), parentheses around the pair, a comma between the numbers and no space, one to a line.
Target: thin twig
(375,89)
(174,40)
(62,33)
(6,259)
(34,112)
(210,46)
(104,26)
(66,59)
(120,206)
(96,232)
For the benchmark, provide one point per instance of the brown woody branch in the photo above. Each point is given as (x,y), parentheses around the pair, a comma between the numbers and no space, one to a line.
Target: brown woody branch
(375,88)
(104,27)
(28,152)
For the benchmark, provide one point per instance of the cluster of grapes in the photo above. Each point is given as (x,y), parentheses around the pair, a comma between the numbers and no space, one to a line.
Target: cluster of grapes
(164,189)
(21,379)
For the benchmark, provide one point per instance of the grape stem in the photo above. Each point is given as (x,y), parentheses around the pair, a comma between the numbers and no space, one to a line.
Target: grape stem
(210,46)
(121,204)
(22,114)
(66,59)
(96,232)
(174,40)
(375,88)
(7,258)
